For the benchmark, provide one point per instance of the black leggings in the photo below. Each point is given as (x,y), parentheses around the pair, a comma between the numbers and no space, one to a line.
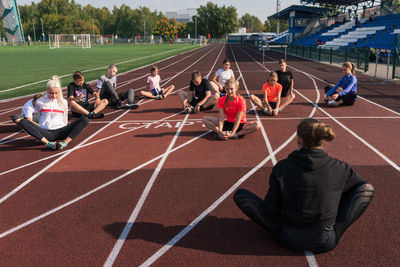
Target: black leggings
(352,205)
(108,92)
(71,130)
(348,100)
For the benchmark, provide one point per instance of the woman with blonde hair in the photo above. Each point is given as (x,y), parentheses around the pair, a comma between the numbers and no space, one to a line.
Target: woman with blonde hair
(270,102)
(52,110)
(233,107)
(346,96)
(312,198)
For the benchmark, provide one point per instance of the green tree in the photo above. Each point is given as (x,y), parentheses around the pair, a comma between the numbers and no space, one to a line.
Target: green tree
(252,23)
(271,25)
(166,27)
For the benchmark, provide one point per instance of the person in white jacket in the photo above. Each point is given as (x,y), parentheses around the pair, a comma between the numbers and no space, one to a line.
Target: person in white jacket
(52,110)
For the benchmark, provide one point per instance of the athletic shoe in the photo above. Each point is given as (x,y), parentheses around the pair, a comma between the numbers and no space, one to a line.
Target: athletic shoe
(267,112)
(93,115)
(191,110)
(51,145)
(333,104)
(120,105)
(131,106)
(61,145)
(162,96)
(158,97)
(235,136)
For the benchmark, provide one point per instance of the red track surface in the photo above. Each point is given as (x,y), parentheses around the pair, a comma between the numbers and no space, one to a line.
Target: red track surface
(51,216)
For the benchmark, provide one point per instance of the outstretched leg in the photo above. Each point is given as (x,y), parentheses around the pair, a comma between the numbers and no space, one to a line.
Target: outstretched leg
(249,127)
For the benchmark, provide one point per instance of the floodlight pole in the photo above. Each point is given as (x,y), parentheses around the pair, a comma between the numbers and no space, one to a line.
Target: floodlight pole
(195,27)
(277,20)
(34,34)
(144,28)
(93,26)
(42,29)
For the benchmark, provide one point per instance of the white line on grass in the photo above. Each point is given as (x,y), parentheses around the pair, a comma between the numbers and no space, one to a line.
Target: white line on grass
(98,68)
(193,224)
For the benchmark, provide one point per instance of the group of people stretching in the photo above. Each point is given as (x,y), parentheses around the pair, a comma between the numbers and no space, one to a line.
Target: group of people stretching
(312,199)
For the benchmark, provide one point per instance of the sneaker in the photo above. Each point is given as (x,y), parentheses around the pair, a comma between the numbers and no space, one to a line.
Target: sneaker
(235,136)
(61,145)
(162,96)
(191,110)
(158,97)
(131,105)
(331,103)
(51,145)
(120,105)
(267,112)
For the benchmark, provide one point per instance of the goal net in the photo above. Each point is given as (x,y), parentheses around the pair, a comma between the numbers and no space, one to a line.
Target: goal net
(69,41)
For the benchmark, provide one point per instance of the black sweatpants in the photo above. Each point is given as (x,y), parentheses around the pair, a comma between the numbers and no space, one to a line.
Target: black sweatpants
(108,92)
(71,130)
(348,100)
(352,205)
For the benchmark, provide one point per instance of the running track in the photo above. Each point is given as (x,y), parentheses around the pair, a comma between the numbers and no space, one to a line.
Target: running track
(150,186)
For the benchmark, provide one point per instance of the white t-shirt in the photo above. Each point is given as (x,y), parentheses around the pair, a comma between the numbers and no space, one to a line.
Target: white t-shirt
(154,82)
(28,109)
(224,75)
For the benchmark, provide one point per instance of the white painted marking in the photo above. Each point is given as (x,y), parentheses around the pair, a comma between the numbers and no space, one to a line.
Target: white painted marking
(128,226)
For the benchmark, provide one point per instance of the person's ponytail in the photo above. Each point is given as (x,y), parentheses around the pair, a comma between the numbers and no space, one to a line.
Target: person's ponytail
(313,133)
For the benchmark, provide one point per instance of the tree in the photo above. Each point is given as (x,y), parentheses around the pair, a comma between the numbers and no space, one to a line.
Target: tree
(252,23)
(166,27)
(214,20)
(271,25)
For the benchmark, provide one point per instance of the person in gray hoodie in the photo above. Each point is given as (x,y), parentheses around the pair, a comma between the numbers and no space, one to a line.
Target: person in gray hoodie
(313,198)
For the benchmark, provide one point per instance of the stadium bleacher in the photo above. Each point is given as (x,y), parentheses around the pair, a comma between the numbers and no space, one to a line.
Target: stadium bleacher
(379,33)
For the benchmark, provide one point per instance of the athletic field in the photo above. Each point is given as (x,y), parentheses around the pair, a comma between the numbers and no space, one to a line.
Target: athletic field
(25,69)
(152,186)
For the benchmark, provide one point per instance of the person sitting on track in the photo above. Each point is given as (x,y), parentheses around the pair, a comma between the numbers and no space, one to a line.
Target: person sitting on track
(233,106)
(200,97)
(153,85)
(312,198)
(348,96)
(270,105)
(220,77)
(77,95)
(53,125)
(29,110)
(107,83)
(285,78)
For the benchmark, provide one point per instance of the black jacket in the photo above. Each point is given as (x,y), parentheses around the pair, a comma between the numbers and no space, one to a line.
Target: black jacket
(305,189)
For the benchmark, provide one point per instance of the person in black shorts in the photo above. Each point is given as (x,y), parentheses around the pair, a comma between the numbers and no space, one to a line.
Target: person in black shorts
(312,198)
(285,78)
(77,95)
(199,97)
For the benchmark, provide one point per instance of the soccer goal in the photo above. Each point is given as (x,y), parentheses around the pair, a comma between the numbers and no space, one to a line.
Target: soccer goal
(69,41)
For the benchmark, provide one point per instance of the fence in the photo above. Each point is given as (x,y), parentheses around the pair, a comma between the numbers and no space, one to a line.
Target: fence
(359,56)
(396,57)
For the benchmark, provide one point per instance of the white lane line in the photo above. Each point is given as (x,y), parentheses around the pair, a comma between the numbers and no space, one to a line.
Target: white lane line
(69,203)
(98,68)
(8,136)
(14,139)
(264,134)
(315,77)
(380,154)
(37,161)
(193,224)
(132,218)
(312,262)
(15,190)
(129,224)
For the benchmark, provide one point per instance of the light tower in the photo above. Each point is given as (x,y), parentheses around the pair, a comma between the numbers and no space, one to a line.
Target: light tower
(11,21)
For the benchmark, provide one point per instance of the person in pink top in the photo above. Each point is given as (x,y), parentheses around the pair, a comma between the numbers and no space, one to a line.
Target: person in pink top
(153,85)
(231,121)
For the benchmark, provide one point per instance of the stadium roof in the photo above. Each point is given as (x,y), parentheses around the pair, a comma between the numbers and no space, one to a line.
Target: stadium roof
(300,10)
(335,3)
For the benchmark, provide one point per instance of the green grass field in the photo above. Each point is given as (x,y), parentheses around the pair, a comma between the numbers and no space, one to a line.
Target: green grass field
(23,65)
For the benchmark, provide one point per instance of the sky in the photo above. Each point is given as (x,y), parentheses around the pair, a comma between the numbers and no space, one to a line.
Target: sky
(259,8)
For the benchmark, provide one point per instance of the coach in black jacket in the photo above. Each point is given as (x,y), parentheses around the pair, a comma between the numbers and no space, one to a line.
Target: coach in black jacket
(312,198)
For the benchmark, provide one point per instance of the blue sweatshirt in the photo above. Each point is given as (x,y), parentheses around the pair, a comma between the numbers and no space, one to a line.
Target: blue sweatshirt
(348,84)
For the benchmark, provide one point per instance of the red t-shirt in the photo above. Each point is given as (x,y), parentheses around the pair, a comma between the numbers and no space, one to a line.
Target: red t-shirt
(272,92)
(238,104)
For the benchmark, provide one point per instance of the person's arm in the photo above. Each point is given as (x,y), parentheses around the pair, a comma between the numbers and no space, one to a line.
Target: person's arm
(333,89)
(203,101)
(28,113)
(291,84)
(148,84)
(217,83)
(350,86)
(278,102)
(352,179)
(273,199)
(266,103)
(221,119)
(236,124)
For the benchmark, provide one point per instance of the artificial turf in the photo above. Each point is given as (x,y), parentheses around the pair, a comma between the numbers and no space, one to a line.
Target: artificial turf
(23,65)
